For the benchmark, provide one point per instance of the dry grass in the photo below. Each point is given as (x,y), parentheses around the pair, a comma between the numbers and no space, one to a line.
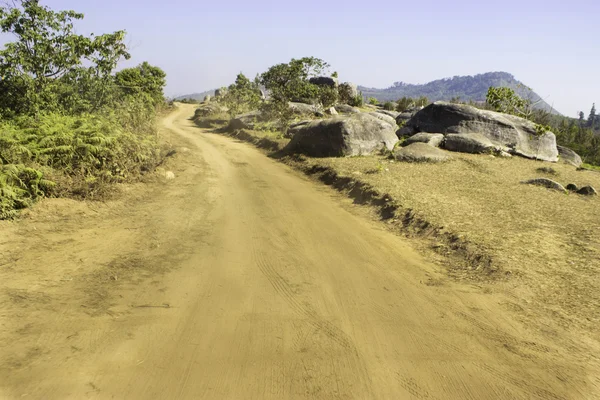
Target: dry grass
(548,239)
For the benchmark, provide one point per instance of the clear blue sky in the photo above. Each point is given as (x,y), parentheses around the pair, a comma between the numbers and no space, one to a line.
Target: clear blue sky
(552,45)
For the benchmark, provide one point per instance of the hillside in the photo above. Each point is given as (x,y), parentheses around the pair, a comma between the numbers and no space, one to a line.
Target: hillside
(464,87)
(196,96)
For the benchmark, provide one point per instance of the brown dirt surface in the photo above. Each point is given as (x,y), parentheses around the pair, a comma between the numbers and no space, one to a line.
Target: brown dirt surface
(243,279)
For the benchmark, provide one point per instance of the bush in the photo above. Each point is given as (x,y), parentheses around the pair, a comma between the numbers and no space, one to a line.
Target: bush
(389,106)
(373,101)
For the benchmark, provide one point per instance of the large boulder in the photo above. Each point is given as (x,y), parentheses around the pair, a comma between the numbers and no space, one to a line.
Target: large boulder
(324,81)
(305,109)
(547,183)
(393,114)
(421,152)
(346,109)
(208,109)
(473,143)
(403,117)
(432,139)
(220,92)
(569,156)
(384,118)
(515,134)
(355,135)
(245,121)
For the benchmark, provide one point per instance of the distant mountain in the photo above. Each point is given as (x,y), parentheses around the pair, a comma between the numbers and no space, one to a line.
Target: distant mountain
(196,96)
(465,88)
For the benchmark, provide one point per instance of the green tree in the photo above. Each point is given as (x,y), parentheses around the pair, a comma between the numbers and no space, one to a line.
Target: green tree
(243,95)
(46,52)
(290,82)
(373,101)
(145,81)
(592,118)
(506,100)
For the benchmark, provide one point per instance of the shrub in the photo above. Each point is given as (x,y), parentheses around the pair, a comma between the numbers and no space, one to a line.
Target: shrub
(389,106)
(373,101)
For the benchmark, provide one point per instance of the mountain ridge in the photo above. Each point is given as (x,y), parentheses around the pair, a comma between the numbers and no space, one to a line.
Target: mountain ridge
(465,87)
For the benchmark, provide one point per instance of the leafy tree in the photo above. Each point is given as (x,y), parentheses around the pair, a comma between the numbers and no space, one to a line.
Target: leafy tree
(144,80)
(290,82)
(46,52)
(505,100)
(373,101)
(241,96)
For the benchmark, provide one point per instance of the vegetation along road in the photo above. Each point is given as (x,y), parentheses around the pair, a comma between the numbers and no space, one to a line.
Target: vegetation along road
(242,279)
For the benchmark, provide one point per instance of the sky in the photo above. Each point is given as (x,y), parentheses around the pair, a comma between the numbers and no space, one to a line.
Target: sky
(553,46)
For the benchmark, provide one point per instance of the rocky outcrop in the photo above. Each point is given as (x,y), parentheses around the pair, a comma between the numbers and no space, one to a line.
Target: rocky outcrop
(324,81)
(473,143)
(346,109)
(385,118)
(208,109)
(547,183)
(432,139)
(220,92)
(305,109)
(392,114)
(516,135)
(331,111)
(245,121)
(421,152)
(403,117)
(355,135)
(569,156)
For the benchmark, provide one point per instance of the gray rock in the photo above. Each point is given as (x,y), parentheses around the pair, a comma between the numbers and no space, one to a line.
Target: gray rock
(207,98)
(503,130)
(587,191)
(385,118)
(571,187)
(208,109)
(547,183)
(346,109)
(220,92)
(432,139)
(421,152)
(354,135)
(569,156)
(473,143)
(245,121)
(305,109)
(324,81)
(291,132)
(331,111)
(393,114)
(403,117)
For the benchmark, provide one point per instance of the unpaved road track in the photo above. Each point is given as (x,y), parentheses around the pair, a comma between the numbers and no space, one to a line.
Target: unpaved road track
(241,279)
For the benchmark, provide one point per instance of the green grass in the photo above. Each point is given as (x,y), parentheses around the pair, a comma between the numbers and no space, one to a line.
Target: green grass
(56,155)
(590,166)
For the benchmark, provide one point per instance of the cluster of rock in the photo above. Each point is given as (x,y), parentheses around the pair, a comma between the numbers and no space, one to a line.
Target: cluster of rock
(470,130)
(571,187)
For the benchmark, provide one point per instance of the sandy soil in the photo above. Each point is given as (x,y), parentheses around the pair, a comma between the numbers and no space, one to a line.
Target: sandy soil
(241,279)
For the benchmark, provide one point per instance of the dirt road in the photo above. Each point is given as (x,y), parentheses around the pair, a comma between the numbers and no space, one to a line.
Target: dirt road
(241,279)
